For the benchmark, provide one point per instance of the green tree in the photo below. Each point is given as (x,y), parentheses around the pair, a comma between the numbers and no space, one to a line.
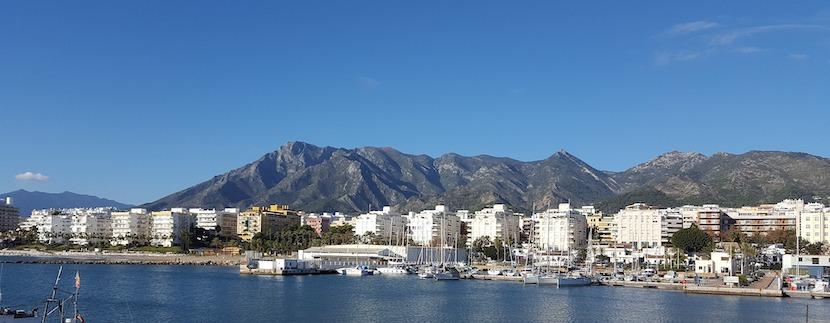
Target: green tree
(691,240)
(338,235)
(815,248)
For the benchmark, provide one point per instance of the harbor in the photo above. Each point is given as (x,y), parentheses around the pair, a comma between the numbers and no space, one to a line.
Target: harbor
(125,292)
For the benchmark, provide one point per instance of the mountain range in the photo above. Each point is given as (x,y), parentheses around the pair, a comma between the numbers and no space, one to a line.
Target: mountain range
(318,179)
(27,201)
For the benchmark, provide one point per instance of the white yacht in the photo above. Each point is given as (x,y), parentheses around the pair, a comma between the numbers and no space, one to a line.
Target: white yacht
(355,271)
(393,270)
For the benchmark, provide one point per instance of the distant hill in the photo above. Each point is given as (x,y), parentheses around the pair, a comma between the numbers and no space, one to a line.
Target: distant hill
(727,179)
(27,201)
(316,179)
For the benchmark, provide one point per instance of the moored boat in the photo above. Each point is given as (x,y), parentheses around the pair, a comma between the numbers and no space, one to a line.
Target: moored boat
(355,271)
(447,274)
(393,271)
(573,280)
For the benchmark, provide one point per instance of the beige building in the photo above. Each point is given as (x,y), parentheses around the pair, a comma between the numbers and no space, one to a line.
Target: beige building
(814,222)
(265,220)
(759,220)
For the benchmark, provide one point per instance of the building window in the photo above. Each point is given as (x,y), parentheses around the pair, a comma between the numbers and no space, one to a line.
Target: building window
(815,260)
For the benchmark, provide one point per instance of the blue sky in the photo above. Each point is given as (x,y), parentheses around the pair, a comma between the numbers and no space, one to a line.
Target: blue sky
(134,100)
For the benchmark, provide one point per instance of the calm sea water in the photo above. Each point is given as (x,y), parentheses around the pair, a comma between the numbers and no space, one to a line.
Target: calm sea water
(123,293)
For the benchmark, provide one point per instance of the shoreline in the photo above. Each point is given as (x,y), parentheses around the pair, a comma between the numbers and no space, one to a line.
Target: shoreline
(115,258)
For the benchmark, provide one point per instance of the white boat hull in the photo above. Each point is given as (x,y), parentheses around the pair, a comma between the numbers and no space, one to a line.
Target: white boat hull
(392,271)
(547,280)
(354,272)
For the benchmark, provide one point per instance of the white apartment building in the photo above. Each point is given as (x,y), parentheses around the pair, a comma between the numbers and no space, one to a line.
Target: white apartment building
(645,227)
(54,227)
(427,227)
(130,226)
(383,224)
(35,219)
(497,222)
(91,226)
(222,221)
(167,226)
(562,229)
(813,223)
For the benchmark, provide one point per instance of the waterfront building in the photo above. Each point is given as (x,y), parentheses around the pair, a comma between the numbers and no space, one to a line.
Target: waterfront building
(759,220)
(222,221)
(385,225)
(602,227)
(814,221)
(319,222)
(562,229)
(265,220)
(34,219)
(167,227)
(526,225)
(643,226)
(131,226)
(54,227)
(338,256)
(91,226)
(496,222)
(720,264)
(426,227)
(9,215)
(813,265)
(712,220)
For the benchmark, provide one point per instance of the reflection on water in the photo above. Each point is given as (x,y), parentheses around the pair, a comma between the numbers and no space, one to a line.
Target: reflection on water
(122,293)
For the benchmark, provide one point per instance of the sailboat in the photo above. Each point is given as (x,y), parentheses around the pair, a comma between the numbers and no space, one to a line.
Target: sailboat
(445,272)
(577,278)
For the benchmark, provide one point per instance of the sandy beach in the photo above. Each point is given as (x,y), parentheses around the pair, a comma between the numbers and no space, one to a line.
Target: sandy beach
(131,258)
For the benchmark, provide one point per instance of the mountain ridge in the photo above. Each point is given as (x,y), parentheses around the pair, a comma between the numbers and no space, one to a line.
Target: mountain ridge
(327,178)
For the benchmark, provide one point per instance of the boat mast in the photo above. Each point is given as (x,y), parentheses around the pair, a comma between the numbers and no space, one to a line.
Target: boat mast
(53,299)
(77,291)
